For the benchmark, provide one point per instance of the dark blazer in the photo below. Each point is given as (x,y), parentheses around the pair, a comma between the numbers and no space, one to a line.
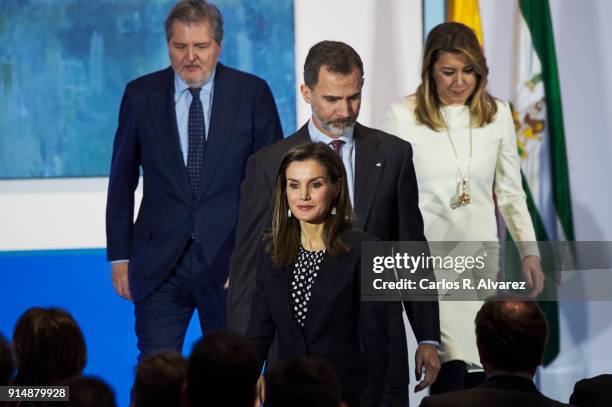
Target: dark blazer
(593,392)
(243,120)
(338,325)
(386,206)
(498,391)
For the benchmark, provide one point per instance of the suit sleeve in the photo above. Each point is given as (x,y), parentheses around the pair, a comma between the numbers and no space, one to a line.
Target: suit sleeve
(123,180)
(375,340)
(424,316)
(254,216)
(261,327)
(267,127)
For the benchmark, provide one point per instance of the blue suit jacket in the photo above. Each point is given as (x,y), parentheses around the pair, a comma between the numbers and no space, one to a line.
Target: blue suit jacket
(243,120)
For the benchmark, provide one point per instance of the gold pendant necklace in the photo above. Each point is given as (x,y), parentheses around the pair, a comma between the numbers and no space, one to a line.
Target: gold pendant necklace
(463,197)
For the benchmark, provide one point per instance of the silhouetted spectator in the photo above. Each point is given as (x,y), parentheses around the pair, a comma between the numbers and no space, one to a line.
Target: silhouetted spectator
(222,371)
(49,347)
(511,336)
(301,382)
(593,392)
(7,362)
(159,380)
(87,391)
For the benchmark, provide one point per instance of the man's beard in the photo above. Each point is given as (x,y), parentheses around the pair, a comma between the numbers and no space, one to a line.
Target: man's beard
(337,128)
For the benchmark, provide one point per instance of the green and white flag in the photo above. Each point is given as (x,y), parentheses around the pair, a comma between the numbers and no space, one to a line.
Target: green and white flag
(541,140)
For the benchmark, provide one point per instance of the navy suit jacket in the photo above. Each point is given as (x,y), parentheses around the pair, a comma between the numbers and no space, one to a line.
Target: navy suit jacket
(244,119)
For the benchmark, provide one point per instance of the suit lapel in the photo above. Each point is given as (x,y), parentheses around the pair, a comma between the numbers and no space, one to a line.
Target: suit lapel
(325,285)
(161,103)
(222,119)
(285,301)
(369,165)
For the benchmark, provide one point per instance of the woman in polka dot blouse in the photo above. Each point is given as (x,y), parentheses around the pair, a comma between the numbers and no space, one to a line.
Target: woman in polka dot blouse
(307,284)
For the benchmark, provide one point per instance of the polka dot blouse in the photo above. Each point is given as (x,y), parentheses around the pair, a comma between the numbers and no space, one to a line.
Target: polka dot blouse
(305,272)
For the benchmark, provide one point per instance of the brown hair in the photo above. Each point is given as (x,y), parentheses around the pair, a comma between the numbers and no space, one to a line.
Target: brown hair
(335,56)
(159,380)
(222,371)
(285,234)
(511,334)
(302,382)
(49,347)
(454,38)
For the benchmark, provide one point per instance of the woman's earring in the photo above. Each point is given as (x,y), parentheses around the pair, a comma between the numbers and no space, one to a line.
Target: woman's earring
(333,211)
(288,213)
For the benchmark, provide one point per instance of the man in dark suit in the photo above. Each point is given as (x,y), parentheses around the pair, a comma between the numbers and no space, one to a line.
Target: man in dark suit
(593,392)
(382,188)
(511,336)
(191,128)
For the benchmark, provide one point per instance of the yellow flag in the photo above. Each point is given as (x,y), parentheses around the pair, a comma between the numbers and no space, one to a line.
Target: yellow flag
(466,12)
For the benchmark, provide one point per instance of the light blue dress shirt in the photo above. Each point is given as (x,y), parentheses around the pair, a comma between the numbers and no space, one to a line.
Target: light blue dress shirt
(347,153)
(182,101)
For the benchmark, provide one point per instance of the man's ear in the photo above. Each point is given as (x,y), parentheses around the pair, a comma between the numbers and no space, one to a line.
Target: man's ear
(306,93)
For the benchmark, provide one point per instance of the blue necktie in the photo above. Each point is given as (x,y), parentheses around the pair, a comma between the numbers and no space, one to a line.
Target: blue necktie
(196,144)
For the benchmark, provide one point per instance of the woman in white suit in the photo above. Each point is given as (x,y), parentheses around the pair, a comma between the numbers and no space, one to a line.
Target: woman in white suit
(464,149)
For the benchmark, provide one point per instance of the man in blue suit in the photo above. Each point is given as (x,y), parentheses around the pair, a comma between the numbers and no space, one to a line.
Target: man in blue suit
(191,128)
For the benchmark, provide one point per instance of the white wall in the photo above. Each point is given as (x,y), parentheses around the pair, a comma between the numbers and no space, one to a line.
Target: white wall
(45,214)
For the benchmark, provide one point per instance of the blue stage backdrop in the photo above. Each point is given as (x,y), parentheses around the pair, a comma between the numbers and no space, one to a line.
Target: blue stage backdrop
(64,65)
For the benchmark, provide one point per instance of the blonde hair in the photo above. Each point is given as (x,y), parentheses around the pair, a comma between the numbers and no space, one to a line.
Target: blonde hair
(458,39)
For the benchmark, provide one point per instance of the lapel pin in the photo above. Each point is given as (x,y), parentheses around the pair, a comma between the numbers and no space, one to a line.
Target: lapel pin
(379,164)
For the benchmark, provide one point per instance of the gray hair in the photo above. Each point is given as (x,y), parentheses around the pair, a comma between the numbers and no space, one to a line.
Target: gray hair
(193,12)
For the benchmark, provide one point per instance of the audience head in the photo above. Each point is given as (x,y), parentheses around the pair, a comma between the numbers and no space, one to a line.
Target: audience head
(159,380)
(333,78)
(88,391)
(454,72)
(49,347)
(511,335)
(301,382)
(310,188)
(223,371)
(7,362)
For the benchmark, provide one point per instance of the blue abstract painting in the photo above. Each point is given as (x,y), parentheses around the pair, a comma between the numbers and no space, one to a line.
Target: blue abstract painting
(64,65)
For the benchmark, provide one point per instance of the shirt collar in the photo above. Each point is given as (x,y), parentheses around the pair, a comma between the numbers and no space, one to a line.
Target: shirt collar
(317,135)
(180,86)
